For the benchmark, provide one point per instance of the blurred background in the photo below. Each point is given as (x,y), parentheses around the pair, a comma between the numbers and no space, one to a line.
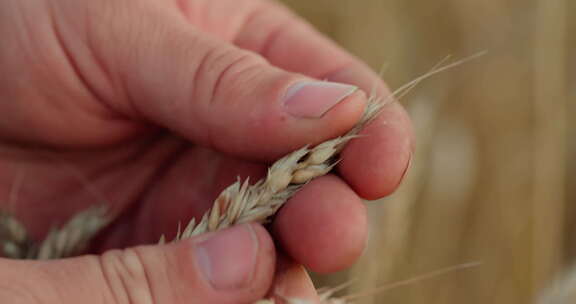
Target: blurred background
(491,180)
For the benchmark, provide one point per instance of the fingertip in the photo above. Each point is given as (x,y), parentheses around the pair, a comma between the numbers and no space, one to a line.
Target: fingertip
(323,226)
(375,163)
(293,282)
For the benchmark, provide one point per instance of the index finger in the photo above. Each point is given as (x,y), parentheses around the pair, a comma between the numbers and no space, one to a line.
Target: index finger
(373,166)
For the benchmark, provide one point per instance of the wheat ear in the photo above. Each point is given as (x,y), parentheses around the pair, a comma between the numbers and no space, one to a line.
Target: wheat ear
(69,240)
(14,241)
(243,203)
(74,236)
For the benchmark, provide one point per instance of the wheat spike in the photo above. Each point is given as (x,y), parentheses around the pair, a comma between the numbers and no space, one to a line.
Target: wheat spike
(74,236)
(242,202)
(14,242)
(69,240)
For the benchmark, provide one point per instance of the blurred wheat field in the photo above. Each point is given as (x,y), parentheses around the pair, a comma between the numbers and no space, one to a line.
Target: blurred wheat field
(491,179)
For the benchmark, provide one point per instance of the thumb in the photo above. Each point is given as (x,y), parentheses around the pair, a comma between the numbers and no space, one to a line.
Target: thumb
(232,266)
(219,95)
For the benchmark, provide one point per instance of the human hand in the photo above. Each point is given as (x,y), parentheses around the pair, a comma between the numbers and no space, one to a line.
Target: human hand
(160,105)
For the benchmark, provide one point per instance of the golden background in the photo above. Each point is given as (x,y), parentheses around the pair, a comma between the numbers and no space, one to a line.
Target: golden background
(491,179)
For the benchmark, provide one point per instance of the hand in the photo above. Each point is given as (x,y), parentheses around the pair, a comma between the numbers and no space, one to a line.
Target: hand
(161,104)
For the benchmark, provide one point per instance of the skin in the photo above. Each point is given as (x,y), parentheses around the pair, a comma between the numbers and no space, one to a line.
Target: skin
(156,106)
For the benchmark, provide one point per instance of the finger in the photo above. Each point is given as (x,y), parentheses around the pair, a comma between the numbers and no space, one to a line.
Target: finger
(291,43)
(375,163)
(323,226)
(231,266)
(215,93)
(292,284)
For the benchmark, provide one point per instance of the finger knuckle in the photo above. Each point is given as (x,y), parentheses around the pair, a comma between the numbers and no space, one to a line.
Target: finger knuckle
(126,277)
(231,69)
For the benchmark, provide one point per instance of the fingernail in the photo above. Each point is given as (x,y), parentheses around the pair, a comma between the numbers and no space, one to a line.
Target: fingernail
(227,259)
(293,285)
(313,99)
